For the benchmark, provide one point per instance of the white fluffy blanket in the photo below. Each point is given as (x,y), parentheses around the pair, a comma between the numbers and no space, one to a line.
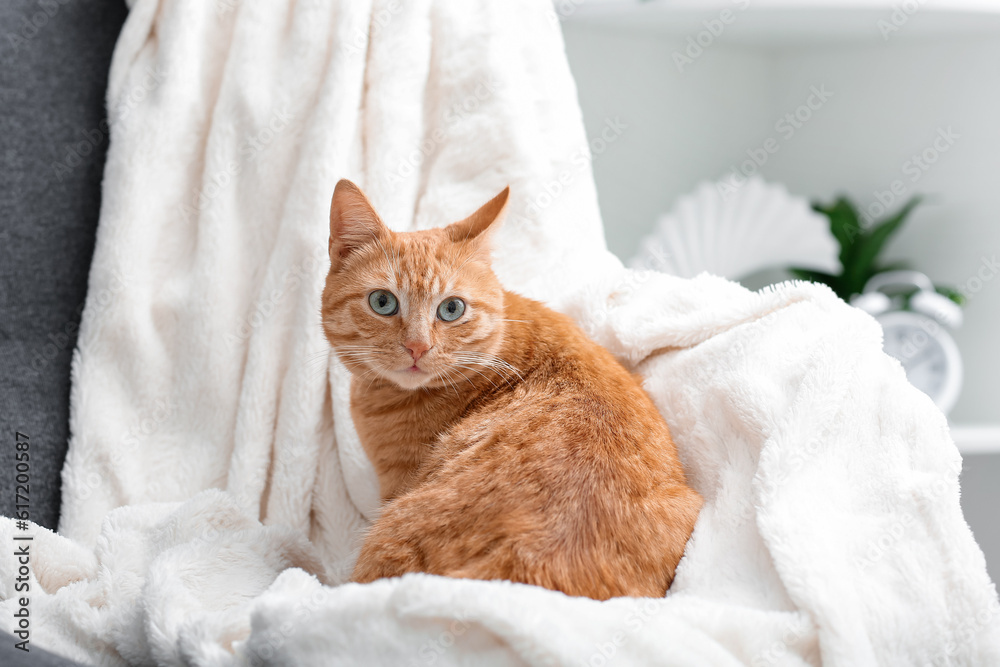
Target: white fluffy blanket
(215,492)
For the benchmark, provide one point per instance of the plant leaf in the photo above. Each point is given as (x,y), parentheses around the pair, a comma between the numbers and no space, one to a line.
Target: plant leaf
(861,265)
(844,225)
(951,293)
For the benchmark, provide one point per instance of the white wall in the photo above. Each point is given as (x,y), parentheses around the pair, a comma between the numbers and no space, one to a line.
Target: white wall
(681,129)
(889,101)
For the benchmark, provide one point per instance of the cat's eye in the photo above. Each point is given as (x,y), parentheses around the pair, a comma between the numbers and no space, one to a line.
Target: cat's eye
(451,309)
(383,302)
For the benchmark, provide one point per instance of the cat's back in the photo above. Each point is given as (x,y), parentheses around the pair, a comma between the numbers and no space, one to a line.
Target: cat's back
(567,375)
(562,474)
(574,414)
(565,477)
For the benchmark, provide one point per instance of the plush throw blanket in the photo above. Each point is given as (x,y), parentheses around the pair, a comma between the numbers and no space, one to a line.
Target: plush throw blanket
(215,492)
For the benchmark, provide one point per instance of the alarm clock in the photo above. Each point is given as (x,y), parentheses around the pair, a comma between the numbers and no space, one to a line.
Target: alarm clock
(917,337)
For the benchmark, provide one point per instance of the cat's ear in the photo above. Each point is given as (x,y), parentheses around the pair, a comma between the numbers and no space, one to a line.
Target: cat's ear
(353,222)
(489,214)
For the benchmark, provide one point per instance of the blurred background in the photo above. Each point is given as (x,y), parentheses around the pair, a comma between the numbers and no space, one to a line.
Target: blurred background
(873,100)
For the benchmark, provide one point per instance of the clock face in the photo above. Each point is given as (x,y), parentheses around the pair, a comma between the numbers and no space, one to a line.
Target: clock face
(928,355)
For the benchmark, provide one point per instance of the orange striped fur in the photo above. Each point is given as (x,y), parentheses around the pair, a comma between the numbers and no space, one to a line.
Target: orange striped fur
(508,445)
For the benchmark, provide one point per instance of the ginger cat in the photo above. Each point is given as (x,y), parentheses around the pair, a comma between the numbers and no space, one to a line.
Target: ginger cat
(507,444)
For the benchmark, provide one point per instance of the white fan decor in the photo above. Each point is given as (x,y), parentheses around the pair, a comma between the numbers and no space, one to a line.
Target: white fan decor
(758,226)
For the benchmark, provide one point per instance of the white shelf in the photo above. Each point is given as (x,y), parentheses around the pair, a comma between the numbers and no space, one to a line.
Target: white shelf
(776,23)
(977,439)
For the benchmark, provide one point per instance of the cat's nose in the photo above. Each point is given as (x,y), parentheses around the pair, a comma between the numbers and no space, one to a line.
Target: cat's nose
(417,348)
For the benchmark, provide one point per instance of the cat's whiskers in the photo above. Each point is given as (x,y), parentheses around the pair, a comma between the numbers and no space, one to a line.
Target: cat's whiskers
(363,356)
(478,372)
(315,363)
(356,350)
(366,351)
(500,363)
(458,392)
(477,365)
(490,361)
(464,376)
(373,373)
(355,356)
(315,357)
(443,374)
(356,364)
(475,361)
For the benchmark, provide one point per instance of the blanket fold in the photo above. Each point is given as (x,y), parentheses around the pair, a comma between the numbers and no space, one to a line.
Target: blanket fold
(215,492)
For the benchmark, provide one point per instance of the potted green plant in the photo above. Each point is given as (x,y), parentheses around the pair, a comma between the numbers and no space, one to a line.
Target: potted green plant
(861,247)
